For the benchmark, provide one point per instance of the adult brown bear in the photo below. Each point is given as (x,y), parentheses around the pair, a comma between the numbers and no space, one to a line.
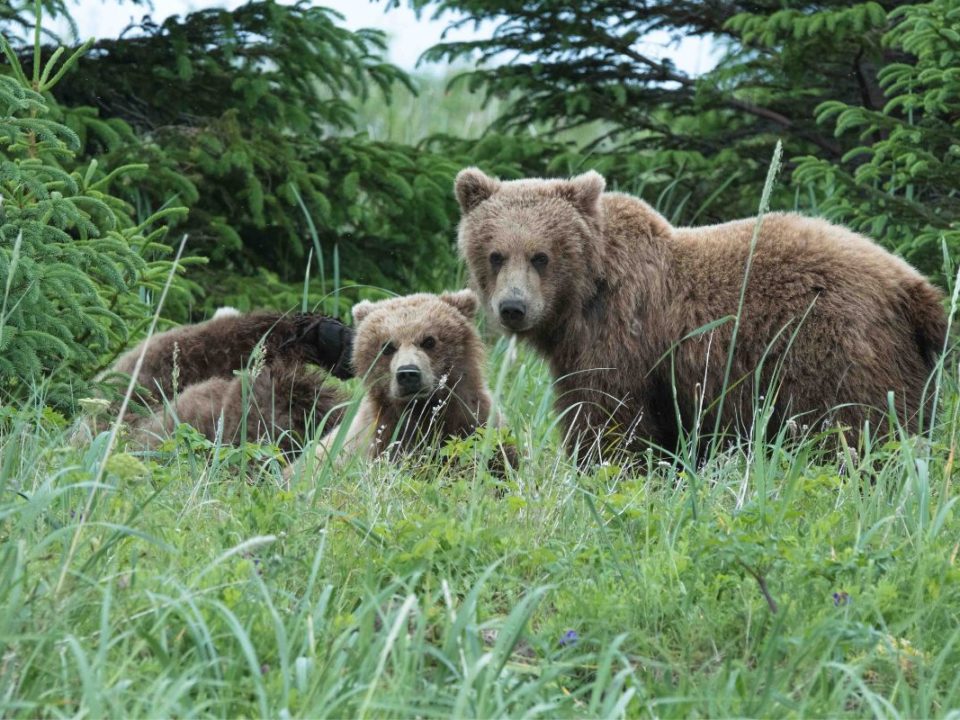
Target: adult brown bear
(613,297)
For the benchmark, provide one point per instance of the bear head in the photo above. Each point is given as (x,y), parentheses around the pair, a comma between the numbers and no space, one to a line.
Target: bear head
(526,243)
(416,347)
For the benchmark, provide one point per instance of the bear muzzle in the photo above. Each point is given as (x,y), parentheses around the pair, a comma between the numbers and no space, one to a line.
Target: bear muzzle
(411,374)
(517,301)
(513,313)
(409,379)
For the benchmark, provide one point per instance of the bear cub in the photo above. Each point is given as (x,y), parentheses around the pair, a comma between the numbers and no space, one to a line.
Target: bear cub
(421,360)
(207,375)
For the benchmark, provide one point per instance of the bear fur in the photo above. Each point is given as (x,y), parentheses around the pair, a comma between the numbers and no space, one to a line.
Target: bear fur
(195,373)
(613,296)
(222,345)
(282,402)
(433,337)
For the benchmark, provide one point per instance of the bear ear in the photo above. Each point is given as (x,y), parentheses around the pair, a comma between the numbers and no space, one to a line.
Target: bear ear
(584,192)
(463,300)
(472,187)
(361,310)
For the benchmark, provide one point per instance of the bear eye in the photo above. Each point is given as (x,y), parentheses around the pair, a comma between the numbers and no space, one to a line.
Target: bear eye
(539,261)
(496,260)
(388,349)
(428,342)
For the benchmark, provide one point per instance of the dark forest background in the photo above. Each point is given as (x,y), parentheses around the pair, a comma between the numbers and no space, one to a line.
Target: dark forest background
(259,133)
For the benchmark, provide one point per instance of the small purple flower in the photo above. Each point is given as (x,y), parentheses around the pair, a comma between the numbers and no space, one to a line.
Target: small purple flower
(569,638)
(840,598)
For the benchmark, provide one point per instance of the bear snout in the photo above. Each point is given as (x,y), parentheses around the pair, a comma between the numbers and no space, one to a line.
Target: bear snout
(409,379)
(512,312)
(411,374)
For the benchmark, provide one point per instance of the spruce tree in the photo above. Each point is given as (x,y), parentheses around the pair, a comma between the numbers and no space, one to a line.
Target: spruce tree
(76,270)
(247,117)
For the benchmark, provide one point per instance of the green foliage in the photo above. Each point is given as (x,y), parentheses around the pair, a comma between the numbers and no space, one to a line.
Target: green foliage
(846,23)
(76,269)
(558,66)
(248,118)
(766,581)
(901,184)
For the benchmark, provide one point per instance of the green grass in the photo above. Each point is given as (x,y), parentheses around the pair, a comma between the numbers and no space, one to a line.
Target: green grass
(435,589)
(196,581)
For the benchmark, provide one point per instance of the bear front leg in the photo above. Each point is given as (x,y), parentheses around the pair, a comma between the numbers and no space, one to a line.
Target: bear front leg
(359,436)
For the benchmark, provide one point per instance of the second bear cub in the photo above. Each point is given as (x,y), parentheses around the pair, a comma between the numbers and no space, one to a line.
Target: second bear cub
(421,360)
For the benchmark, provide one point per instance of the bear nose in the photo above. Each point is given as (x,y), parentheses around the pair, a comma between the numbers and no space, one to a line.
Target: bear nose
(408,378)
(512,311)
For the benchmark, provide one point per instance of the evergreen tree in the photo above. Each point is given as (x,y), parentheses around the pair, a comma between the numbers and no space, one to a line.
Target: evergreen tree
(76,270)
(247,118)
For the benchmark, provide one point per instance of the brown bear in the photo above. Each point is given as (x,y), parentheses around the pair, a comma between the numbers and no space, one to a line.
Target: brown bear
(223,344)
(636,317)
(192,374)
(422,364)
(282,402)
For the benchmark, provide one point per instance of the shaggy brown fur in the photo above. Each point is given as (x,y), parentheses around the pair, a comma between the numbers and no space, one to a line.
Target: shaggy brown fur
(612,293)
(435,335)
(222,345)
(205,362)
(284,403)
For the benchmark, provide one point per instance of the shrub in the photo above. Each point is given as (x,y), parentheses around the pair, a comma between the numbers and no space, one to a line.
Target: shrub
(77,271)
(248,117)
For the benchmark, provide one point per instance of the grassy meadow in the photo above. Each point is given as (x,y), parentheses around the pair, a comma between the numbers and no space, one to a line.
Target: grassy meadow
(436,107)
(196,581)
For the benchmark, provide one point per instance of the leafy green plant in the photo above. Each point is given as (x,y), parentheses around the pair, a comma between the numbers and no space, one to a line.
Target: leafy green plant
(204,581)
(591,67)
(248,118)
(76,269)
(197,579)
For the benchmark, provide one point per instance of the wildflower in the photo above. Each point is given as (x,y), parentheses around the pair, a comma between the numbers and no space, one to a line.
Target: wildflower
(94,406)
(569,638)
(840,598)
